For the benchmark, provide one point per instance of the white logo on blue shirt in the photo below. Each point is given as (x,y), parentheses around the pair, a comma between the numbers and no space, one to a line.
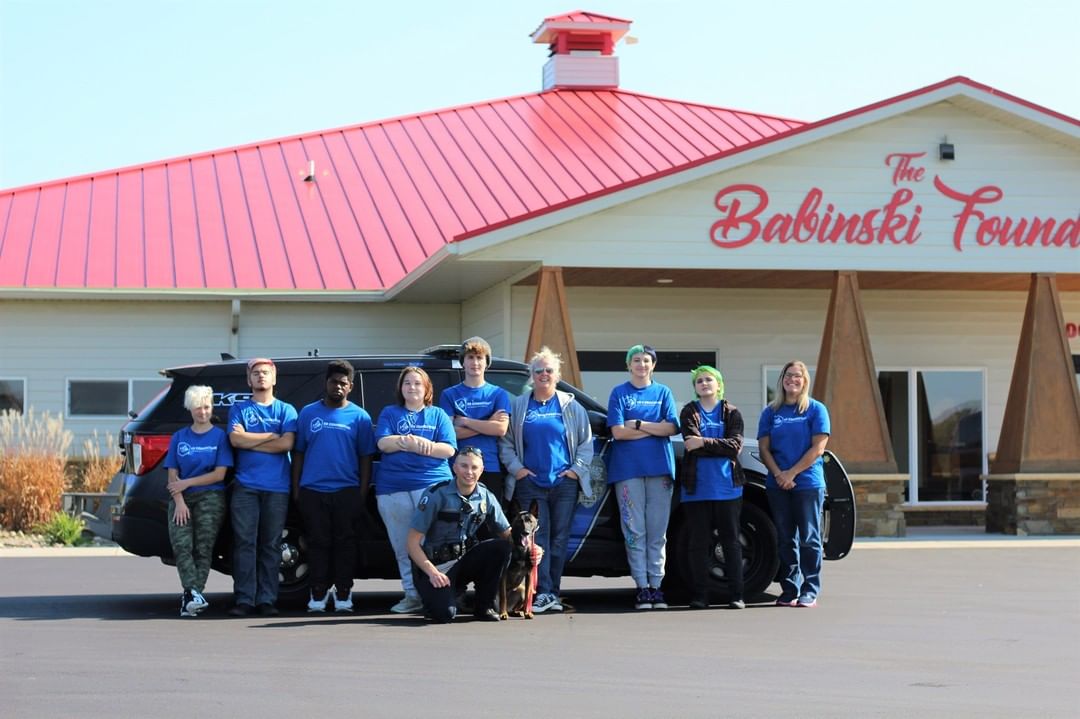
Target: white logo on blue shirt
(407,423)
(183,449)
(251,417)
(316,424)
(778,420)
(461,404)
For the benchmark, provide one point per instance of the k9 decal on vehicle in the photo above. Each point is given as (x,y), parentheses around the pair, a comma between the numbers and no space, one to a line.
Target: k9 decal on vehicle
(228,399)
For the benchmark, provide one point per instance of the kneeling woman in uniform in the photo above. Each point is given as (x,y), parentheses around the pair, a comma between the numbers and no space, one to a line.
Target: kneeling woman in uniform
(442,542)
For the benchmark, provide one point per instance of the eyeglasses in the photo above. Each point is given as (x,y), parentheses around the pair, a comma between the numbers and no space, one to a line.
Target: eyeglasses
(543,370)
(793,375)
(471,450)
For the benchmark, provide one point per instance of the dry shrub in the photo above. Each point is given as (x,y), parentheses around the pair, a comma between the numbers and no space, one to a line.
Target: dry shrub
(33,452)
(96,469)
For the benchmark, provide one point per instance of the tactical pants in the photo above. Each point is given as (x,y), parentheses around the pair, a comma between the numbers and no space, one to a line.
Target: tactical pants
(483,564)
(193,543)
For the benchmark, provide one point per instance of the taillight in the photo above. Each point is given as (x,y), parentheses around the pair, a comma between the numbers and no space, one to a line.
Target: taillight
(148,450)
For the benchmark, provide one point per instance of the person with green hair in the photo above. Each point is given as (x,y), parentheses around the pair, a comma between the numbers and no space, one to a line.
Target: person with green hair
(711,488)
(641,466)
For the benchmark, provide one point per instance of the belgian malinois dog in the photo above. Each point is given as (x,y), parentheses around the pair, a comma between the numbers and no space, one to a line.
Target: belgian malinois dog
(518,582)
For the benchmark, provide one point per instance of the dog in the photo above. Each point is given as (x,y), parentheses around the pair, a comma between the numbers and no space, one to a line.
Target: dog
(518,583)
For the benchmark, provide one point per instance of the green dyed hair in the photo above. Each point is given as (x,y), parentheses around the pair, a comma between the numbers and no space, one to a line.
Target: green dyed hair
(640,349)
(707,369)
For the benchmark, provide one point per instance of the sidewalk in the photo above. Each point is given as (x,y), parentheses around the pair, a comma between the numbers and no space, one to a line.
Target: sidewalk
(963,538)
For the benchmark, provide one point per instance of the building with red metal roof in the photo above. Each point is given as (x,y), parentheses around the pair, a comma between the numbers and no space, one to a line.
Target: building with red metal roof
(902,235)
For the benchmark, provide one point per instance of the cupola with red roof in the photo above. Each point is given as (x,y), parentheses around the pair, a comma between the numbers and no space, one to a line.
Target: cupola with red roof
(582,50)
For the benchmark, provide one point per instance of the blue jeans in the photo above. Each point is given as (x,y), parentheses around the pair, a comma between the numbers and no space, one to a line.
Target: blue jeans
(257,520)
(556,510)
(797,516)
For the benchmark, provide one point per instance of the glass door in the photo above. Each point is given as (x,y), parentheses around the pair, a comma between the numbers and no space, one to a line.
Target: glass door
(936,423)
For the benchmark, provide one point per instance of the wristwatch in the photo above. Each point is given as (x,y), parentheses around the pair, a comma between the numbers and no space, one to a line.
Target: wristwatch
(637,424)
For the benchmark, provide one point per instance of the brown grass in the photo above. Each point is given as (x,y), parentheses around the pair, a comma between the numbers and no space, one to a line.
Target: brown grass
(33,452)
(95,470)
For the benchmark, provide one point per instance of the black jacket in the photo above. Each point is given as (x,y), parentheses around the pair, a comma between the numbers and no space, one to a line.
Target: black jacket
(728,446)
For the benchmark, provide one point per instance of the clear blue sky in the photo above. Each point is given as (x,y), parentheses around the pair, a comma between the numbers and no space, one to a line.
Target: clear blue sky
(88,85)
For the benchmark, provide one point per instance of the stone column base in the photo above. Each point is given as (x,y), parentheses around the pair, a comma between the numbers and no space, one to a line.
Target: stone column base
(879,499)
(1030,503)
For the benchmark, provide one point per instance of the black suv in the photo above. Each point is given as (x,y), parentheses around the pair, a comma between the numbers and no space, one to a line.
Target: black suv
(596,541)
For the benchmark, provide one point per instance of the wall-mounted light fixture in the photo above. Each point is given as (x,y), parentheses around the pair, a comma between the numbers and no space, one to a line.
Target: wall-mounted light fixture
(946,150)
(310,176)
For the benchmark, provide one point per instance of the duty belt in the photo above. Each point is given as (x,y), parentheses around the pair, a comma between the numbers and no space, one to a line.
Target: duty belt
(446,552)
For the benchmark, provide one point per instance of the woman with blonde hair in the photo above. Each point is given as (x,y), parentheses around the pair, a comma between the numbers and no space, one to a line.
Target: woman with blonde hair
(547,453)
(197,460)
(792,434)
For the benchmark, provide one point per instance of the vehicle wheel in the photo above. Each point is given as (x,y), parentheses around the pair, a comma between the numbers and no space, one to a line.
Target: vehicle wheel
(293,573)
(760,559)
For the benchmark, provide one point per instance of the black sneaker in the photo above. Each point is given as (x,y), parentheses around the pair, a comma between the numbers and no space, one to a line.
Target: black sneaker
(268,610)
(242,610)
(699,604)
(197,602)
(487,615)
(185,602)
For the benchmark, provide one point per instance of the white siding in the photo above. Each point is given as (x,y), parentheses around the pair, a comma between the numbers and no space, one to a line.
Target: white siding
(488,315)
(282,329)
(671,228)
(754,328)
(53,341)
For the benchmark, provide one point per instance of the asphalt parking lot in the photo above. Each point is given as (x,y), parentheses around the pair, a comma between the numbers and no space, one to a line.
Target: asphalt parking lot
(932,629)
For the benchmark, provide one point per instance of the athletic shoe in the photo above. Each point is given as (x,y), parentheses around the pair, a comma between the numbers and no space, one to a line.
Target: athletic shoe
(557,605)
(807,602)
(318,605)
(544,602)
(643,599)
(781,602)
(185,601)
(242,610)
(658,600)
(408,605)
(736,604)
(267,610)
(698,604)
(487,615)
(343,603)
(197,603)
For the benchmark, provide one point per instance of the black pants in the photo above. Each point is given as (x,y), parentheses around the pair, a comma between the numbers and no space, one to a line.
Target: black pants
(702,518)
(330,520)
(483,565)
(494,481)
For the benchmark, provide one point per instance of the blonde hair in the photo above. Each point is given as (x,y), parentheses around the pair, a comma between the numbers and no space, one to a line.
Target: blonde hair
(476,346)
(544,354)
(803,400)
(196,394)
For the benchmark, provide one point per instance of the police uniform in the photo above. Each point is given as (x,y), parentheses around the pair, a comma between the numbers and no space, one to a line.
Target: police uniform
(449,523)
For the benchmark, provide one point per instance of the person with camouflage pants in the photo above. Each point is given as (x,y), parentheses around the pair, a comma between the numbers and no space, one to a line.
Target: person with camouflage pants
(198,458)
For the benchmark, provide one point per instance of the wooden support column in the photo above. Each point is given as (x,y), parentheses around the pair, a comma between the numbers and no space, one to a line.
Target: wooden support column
(846,382)
(1040,432)
(551,323)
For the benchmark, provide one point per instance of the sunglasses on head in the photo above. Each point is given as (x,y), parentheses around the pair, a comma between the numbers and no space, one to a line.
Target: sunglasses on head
(471,450)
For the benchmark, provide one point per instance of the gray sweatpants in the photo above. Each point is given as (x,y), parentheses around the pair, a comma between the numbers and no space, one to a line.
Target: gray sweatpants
(644,509)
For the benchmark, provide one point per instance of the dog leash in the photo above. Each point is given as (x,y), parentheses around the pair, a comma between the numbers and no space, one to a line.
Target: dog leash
(533,574)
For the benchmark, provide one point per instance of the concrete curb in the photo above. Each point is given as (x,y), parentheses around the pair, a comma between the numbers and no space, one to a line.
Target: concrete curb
(63,552)
(988,541)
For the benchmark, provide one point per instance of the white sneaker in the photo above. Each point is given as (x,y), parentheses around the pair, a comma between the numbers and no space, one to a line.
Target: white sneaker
(343,605)
(318,605)
(545,602)
(408,605)
(197,603)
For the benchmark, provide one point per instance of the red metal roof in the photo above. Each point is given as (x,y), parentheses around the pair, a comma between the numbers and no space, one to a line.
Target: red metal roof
(583,16)
(387,194)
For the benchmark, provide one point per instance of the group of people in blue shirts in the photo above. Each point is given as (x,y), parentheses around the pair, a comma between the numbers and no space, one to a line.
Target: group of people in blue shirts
(448,473)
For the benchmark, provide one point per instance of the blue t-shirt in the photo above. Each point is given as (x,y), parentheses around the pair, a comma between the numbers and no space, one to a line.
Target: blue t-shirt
(192,454)
(543,433)
(332,440)
(262,470)
(713,473)
(790,435)
(648,456)
(406,471)
(478,403)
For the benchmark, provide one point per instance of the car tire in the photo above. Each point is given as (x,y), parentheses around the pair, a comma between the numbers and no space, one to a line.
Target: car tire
(760,559)
(293,579)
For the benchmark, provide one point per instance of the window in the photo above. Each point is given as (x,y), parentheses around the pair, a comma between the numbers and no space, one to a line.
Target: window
(13,395)
(110,397)
(380,388)
(771,374)
(603,370)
